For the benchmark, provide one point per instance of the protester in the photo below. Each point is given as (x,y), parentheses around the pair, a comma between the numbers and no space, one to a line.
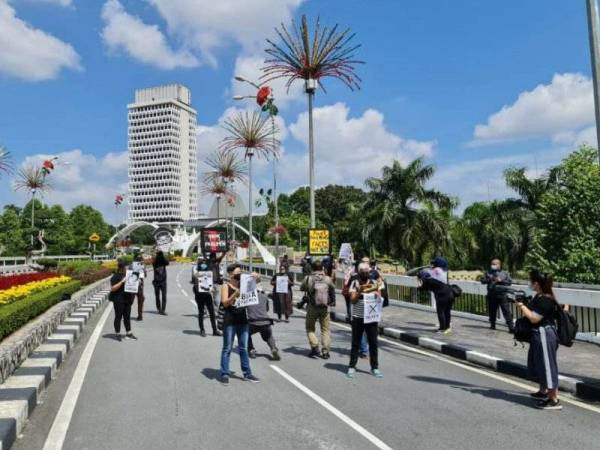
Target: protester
(283,302)
(435,279)
(349,278)
(261,322)
(329,267)
(138,265)
(498,282)
(214,265)
(122,302)
(542,359)
(203,296)
(363,284)
(160,281)
(320,292)
(235,323)
(307,268)
(285,262)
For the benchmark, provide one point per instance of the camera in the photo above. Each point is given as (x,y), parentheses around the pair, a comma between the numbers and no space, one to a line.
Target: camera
(517,296)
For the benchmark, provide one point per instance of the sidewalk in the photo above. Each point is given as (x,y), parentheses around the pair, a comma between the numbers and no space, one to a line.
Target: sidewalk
(578,365)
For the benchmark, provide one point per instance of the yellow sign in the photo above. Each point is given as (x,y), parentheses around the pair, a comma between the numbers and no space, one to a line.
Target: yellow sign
(319,242)
(94,237)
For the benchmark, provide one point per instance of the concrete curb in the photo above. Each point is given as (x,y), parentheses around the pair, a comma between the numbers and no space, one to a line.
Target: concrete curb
(22,391)
(584,389)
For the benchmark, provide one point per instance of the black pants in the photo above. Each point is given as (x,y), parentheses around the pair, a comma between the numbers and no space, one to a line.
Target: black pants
(502,303)
(204,299)
(443,307)
(266,333)
(158,289)
(371,329)
(348,307)
(122,312)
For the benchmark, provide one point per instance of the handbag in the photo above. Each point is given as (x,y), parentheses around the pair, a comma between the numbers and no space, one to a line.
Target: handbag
(523,330)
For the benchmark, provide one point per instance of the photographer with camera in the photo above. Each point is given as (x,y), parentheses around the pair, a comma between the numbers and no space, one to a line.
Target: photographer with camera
(541,312)
(498,283)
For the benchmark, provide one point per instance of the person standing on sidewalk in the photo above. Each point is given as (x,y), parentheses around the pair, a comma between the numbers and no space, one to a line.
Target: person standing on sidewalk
(542,360)
(235,323)
(435,279)
(138,266)
(160,281)
(320,291)
(203,296)
(363,284)
(283,302)
(121,301)
(498,281)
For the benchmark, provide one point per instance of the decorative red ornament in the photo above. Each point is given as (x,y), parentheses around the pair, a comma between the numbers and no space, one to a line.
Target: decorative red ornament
(278,229)
(231,201)
(48,165)
(263,95)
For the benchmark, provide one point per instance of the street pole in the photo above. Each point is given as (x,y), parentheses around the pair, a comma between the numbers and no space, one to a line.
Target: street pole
(276,201)
(593,28)
(250,154)
(32,216)
(310,90)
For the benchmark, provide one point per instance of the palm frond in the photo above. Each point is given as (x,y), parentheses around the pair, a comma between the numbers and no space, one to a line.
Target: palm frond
(253,132)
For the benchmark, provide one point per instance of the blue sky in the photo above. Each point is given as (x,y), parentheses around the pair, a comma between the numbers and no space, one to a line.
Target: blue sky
(473,86)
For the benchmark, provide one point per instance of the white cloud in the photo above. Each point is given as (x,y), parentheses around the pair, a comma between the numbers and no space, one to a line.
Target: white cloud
(566,105)
(29,53)
(348,149)
(144,42)
(208,25)
(54,2)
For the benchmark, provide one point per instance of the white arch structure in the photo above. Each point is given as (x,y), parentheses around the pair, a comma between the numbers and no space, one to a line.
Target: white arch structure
(267,257)
(129,229)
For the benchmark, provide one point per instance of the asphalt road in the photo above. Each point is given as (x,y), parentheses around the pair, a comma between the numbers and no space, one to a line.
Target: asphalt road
(161,392)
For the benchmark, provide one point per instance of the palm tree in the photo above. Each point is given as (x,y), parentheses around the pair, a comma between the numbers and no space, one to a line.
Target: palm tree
(33,179)
(5,160)
(530,190)
(401,214)
(255,134)
(310,56)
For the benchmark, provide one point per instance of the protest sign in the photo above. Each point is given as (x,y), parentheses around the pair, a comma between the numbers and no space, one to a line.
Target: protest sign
(213,240)
(138,266)
(132,282)
(346,253)
(319,242)
(282,284)
(373,307)
(248,292)
(205,281)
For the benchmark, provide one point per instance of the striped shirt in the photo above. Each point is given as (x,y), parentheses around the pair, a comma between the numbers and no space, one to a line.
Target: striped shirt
(358,308)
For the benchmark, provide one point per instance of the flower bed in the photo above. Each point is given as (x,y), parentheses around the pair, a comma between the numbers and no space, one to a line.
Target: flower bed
(10,281)
(19,292)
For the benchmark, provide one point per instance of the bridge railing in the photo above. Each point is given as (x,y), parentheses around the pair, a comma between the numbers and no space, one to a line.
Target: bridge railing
(584,302)
(19,263)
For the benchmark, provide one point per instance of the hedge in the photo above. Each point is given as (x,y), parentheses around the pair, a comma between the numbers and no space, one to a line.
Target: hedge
(14,315)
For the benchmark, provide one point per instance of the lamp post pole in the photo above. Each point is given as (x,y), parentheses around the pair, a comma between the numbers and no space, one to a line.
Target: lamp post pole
(593,29)
(311,86)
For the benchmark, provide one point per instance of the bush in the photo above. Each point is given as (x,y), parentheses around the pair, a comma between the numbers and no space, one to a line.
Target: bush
(15,315)
(91,277)
(78,267)
(47,263)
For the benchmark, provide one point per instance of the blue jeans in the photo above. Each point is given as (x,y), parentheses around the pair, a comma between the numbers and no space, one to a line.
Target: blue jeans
(242,332)
(364,344)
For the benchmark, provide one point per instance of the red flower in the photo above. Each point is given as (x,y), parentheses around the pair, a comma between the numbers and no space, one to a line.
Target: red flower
(231,201)
(279,229)
(48,165)
(263,95)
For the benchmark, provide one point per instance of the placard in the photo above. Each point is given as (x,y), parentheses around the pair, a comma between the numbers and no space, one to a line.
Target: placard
(282,284)
(346,253)
(205,281)
(213,240)
(373,307)
(132,282)
(138,266)
(319,242)
(248,292)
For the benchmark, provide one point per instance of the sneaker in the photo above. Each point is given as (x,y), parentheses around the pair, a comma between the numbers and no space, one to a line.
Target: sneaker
(202,333)
(325,354)
(118,337)
(551,405)
(539,395)
(351,372)
(362,355)
(217,333)
(251,378)
(276,356)
(139,318)
(314,352)
(447,331)
(493,327)
(224,380)
(130,337)
(376,373)
(252,353)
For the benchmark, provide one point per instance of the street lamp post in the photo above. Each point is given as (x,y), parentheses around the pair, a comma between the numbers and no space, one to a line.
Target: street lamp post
(594,33)
(310,87)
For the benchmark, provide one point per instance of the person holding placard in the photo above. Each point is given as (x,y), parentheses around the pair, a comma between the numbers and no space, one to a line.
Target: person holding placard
(282,283)
(203,283)
(366,301)
(235,322)
(160,282)
(138,266)
(121,301)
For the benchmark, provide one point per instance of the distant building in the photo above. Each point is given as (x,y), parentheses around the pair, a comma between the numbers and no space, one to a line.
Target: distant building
(162,156)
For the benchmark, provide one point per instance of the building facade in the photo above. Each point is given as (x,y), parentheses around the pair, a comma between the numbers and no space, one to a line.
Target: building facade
(162,156)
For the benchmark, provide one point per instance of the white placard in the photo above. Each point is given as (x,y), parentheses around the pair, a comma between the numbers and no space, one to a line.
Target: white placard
(248,292)
(373,307)
(205,281)
(132,282)
(138,267)
(282,285)
(346,253)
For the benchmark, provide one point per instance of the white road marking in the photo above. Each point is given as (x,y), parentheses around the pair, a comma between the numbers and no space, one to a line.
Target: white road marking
(495,376)
(184,292)
(332,409)
(61,423)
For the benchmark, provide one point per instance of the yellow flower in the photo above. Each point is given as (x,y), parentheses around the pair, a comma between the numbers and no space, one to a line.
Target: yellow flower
(19,292)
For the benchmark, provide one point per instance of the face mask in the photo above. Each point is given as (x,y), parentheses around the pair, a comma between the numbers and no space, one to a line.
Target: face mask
(203,267)
(237,277)
(495,267)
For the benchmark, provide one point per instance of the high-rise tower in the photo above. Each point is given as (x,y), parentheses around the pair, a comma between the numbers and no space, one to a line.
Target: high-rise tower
(162,156)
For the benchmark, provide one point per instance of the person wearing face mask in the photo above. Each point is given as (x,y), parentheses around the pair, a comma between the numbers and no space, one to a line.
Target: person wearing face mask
(498,282)
(435,279)
(122,302)
(203,296)
(542,360)
(363,284)
(283,302)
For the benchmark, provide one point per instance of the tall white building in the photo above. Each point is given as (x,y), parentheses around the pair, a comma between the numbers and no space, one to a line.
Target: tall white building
(162,155)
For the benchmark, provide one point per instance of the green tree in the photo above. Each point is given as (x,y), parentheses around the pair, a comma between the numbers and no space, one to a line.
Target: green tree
(85,221)
(566,239)
(12,239)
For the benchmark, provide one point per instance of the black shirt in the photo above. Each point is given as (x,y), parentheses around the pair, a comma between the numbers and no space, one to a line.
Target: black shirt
(119,296)
(234,315)
(544,306)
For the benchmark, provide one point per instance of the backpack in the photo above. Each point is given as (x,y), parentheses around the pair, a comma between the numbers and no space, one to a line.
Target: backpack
(566,327)
(319,292)
(523,330)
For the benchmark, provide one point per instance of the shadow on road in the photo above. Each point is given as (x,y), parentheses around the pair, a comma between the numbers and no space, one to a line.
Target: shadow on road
(112,336)
(215,374)
(191,332)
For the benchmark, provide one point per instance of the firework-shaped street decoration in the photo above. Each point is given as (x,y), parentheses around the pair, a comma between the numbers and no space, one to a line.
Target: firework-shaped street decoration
(266,100)
(33,179)
(253,133)
(312,56)
(119,199)
(48,166)
(5,160)
(217,187)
